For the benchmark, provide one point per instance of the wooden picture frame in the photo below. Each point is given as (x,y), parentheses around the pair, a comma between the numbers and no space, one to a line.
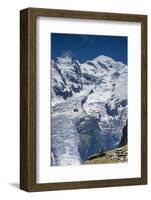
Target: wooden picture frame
(28,98)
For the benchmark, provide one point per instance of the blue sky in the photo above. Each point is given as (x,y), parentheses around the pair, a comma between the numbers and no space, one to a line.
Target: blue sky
(87,47)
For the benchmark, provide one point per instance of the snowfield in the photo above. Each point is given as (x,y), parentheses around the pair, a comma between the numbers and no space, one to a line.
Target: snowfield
(89,108)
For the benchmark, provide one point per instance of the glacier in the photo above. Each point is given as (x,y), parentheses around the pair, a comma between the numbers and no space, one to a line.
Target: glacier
(89,108)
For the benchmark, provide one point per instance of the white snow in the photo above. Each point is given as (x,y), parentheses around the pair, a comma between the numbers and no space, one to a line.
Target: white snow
(102,81)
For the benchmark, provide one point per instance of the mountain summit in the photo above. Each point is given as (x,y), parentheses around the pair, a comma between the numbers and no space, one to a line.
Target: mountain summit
(69,76)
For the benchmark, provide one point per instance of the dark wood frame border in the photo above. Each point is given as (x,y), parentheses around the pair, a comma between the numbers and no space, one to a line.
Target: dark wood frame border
(28,98)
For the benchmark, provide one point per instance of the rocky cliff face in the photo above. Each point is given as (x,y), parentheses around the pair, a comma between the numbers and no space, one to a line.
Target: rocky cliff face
(66,77)
(124,138)
(89,107)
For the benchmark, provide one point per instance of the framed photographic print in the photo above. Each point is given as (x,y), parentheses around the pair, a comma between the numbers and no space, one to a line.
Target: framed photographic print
(83,99)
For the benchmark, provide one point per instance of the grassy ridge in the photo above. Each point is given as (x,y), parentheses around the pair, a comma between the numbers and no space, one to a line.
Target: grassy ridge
(117,155)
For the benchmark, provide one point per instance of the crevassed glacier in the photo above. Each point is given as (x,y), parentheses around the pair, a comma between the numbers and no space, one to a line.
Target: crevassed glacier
(89,108)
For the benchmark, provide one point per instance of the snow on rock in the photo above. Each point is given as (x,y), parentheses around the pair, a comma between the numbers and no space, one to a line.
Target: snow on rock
(89,107)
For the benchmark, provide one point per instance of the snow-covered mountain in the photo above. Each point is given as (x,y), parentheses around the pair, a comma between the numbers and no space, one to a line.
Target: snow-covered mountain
(89,107)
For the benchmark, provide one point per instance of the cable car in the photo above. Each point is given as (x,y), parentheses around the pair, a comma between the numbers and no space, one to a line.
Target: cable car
(75,110)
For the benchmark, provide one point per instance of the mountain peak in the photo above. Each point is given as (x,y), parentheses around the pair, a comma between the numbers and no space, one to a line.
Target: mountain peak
(66,60)
(103,58)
